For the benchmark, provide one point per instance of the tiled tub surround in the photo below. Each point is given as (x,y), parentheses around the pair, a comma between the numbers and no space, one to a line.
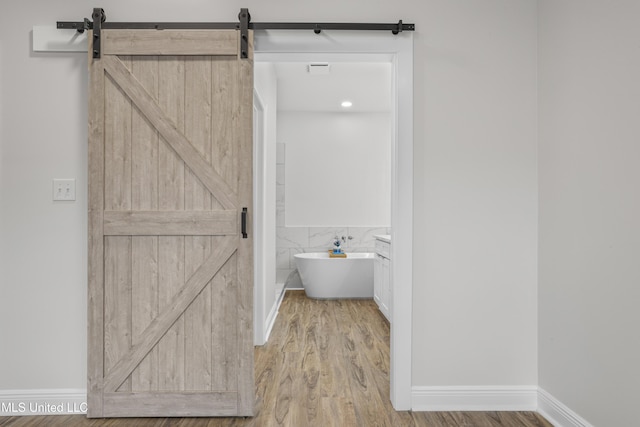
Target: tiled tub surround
(293,240)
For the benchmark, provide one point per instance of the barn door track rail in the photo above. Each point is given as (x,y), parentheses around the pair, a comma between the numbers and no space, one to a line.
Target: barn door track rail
(244,24)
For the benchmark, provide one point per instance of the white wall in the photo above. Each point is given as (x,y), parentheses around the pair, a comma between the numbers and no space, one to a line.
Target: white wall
(42,243)
(337,168)
(475,219)
(590,207)
(475,178)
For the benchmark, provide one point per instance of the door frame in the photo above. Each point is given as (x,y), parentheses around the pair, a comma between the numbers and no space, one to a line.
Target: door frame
(278,46)
(259,207)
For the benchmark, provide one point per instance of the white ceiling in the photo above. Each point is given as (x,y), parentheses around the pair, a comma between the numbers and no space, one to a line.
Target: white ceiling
(366,84)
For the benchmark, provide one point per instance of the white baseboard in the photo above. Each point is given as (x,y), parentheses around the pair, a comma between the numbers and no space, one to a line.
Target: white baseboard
(526,398)
(475,398)
(557,413)
(43,402)
(271,318)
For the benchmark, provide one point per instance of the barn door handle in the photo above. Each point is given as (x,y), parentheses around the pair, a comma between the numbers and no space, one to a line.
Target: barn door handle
(244,223)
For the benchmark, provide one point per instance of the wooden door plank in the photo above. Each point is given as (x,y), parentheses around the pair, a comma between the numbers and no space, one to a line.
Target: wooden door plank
(197,318)
(144,148)
(183,404)
(160,325)
(166,127)
(198,347)
(172,102)
(224,115)
(246,382)
(197,128)
(117,250)
(224,119)
(117,186)
(171,198)
(144,196)
(117,303)
(170,42)
(170,223)
(144,306)
(223,328)
(95,297)
(171,346)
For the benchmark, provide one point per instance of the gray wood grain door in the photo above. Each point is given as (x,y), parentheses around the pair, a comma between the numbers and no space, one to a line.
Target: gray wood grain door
(170,276)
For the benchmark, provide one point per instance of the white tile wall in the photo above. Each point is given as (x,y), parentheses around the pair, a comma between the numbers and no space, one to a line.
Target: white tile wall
(292,237)
(282,259)
(322,237)
(363,237)
(292,260)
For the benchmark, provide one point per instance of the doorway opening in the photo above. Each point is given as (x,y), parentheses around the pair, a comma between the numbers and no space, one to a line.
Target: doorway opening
(333,161)
(283,46)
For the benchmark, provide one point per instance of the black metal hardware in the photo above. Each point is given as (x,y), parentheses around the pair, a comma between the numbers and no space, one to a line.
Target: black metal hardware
(315,27)
(245,24)
(245,18)
(98,18)
(78,26)
(321,26)
(244,223)
(399,29)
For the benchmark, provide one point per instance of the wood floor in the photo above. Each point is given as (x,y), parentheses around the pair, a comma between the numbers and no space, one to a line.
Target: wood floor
(326,364)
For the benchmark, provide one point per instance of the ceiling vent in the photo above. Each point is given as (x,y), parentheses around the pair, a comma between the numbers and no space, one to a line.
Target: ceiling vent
(319,68)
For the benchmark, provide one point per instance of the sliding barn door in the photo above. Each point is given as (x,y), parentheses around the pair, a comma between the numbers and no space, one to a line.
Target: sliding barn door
(170,274)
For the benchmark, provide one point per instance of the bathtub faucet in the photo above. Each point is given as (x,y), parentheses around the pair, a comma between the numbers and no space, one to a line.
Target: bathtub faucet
(338,241)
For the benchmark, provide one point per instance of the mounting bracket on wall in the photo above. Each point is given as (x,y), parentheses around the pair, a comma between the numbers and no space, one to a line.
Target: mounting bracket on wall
(244,25)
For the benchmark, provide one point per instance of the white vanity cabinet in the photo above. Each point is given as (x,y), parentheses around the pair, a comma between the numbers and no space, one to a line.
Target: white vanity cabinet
(382,275)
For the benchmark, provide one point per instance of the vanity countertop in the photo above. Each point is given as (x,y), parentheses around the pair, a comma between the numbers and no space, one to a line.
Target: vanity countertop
(383,237)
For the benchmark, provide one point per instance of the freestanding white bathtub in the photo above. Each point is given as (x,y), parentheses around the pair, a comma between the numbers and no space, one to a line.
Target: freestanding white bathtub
(334,278)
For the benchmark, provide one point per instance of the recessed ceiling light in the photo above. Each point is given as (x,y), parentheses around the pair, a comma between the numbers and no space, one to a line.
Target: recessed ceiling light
(346,104)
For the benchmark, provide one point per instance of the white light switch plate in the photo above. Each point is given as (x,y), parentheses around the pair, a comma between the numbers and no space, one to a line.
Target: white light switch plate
(64,189)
